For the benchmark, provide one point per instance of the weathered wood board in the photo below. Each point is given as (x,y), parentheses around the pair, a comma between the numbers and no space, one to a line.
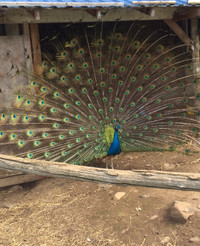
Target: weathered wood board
(14,56)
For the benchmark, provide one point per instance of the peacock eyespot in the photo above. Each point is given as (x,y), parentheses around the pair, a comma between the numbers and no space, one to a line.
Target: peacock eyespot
(71,90)
(78,103)
(139,67)
(90,105)
(133,79)
(127,92)
(77,116)
(158,100)
(74,41)
(45,135)
(29,155)
(78,77)
(64,53)
(117,48)
(173,69)
(55,125)
(146,76)
(43,89)
(132,104)
(122,68)
(135,116)
(140,88)
(52,144)
(120,82)
(136,44)
(102,84)
(95,93)
(101,70)
(100,42)
(47,154)
(85,65)
(81,51)
(147,56)
(70,65)
(114,76)
(156,66)
(152,86)
(63,78)
(90,81)
(63,153)
(149,117)
(144,99)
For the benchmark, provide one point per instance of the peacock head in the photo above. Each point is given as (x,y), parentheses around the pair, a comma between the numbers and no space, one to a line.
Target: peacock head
(118,128)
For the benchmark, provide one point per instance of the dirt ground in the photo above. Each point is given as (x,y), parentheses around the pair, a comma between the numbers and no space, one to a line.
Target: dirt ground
(66,212)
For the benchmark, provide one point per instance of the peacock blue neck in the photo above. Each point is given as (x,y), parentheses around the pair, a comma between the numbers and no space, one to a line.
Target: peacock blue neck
(115,145)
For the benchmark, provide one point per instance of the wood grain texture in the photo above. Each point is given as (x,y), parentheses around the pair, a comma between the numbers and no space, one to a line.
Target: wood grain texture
(140,178)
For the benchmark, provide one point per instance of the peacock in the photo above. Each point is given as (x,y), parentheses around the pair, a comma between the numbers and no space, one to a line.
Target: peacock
(102,89)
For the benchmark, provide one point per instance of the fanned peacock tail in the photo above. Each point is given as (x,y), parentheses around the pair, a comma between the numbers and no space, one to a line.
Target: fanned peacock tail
(106,75)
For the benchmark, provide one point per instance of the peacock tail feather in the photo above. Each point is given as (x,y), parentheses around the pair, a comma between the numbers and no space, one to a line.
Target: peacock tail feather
(136,76)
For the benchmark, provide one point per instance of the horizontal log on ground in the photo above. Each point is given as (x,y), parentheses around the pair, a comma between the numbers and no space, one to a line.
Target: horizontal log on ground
(157,179)
(18,179)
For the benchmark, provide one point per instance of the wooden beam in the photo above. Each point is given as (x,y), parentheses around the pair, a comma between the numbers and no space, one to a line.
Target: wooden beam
(147,11)
(185,14)
(140,178)
(36,49)
(18,179)
(180,33)
(69,15)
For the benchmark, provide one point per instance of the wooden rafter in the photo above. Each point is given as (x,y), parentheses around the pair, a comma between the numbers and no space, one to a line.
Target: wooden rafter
(180,33)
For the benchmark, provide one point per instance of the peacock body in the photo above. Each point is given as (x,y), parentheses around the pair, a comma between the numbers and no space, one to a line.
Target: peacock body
(111,88)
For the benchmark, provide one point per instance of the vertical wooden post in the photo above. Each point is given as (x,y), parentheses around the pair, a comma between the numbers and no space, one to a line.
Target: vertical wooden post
(195,54)
(36,49)
(27,48)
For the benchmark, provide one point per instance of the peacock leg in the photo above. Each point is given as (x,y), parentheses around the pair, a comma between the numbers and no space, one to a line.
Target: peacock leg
(106,160)
(111,161)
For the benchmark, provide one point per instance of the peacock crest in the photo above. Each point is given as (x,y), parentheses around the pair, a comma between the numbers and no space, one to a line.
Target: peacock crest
(135,76)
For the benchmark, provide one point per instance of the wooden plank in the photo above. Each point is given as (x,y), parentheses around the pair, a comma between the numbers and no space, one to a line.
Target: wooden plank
(35,42)
(179,32)
(20,15)
(140,178)
(18,179)
(186,14)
